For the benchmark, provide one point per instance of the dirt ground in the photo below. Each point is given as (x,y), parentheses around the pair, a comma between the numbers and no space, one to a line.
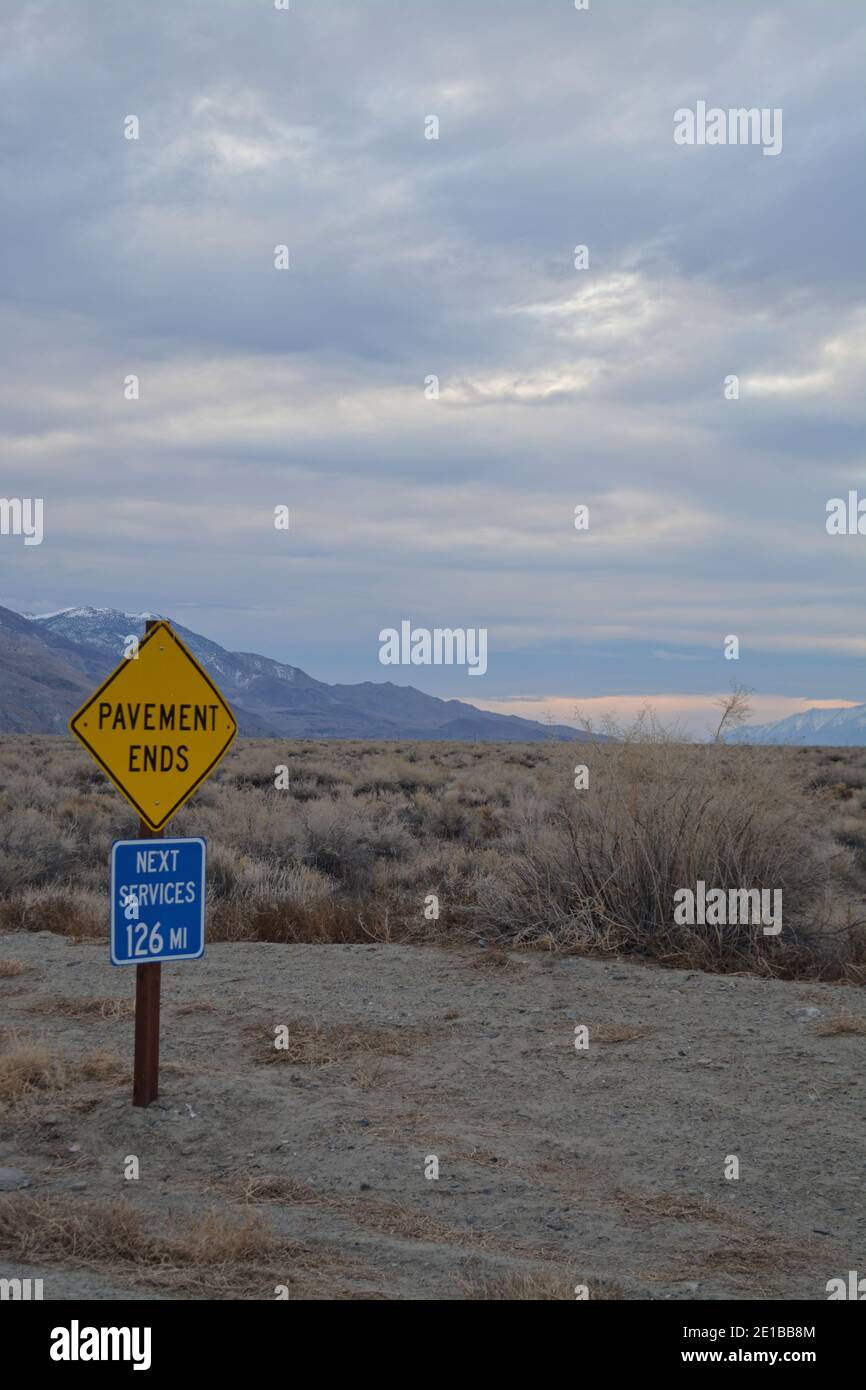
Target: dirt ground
(602,1167)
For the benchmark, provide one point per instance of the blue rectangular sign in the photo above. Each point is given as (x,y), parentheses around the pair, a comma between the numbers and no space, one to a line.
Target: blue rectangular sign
(157,900)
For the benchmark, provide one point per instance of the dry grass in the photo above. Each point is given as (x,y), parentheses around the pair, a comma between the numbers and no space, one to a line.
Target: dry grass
(753,1258)
(216,1253)
(652,1208)
(365,833)
(74,913)
(491,959)
(517,1286)
(103,1065)
(758,1263)
(316,1045)
(384,1218)
(747,1259)
(839,1025)
(31,1071)
(86,1008)
(27,1071)
(568,1177)
(353,922)
(11,969)
(280,1190)
(368,1072)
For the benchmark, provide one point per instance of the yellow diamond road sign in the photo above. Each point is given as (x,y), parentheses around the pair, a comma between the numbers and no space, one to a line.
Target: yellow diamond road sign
(158,726)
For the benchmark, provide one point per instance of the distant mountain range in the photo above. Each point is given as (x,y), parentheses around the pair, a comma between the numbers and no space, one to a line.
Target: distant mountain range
(837,728)
(50,663)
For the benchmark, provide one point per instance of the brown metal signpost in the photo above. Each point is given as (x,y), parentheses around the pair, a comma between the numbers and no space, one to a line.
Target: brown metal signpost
(145,1068)
(148,980)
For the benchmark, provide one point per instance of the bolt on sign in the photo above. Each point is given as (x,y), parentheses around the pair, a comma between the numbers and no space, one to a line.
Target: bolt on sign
(158,726)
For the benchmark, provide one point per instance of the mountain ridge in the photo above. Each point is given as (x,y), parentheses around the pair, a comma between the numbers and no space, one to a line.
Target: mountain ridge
(838,727)
(50,663)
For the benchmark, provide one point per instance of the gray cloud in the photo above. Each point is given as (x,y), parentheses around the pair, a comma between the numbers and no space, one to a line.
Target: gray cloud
(454,258)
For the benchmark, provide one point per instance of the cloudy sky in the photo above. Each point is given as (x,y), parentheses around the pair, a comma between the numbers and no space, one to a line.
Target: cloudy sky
(410,258)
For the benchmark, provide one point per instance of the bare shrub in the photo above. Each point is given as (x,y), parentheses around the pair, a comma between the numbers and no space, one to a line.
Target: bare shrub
(600,872)
(444,817)
(71,912)
(344,838)
(276,919)
(364,831)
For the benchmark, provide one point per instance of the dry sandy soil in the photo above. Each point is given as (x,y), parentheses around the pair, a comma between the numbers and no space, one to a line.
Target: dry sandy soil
(556,1167)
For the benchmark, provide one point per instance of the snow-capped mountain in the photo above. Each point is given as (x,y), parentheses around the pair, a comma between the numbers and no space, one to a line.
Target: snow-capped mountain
(98,626)
(107,628)
(50,662)
(823,727)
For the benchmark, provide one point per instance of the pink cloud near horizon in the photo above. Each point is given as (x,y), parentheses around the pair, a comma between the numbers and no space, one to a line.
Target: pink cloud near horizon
(695,714)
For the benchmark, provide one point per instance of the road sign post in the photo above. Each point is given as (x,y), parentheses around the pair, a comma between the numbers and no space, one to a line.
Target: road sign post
(157,726)
(148,984)
(157,912)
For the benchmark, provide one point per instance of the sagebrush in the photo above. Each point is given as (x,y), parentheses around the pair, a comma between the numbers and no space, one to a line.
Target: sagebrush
(363,834)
